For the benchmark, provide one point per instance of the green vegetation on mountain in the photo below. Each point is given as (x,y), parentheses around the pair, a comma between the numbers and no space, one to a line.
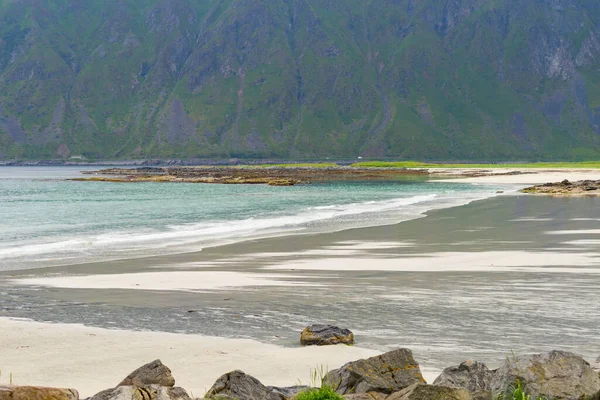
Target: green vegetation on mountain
(421,79)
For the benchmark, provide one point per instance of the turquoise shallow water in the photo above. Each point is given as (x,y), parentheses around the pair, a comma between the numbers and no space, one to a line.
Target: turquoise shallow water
(48,221)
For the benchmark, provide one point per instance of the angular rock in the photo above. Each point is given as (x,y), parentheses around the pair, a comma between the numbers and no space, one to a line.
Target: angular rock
(366,396)
(420,391)
(37,393)
(153,373)
(386,373)
(324,335)
(240,386)
(482,395)
(596,365)
(470,375)
(555,375)
(148,392)
(286,393)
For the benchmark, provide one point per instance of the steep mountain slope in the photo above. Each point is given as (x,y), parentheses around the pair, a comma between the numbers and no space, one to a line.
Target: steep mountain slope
(436,79)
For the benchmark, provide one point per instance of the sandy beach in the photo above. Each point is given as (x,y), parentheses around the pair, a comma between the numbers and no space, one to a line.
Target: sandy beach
(517,176)
(93,359)
(522,269)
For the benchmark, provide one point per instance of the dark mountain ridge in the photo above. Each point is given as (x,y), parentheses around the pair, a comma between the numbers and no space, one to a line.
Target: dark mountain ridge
(427,79)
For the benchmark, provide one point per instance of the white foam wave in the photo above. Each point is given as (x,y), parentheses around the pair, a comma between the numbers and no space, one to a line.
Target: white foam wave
(194,237)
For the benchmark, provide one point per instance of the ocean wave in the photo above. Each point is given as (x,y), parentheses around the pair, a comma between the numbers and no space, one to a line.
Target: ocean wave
(196,236)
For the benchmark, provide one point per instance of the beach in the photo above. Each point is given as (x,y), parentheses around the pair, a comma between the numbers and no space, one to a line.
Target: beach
(511,273)
(93,359)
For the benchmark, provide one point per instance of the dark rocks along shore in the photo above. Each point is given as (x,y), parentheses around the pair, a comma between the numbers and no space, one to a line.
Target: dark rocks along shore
(567,188)
(274,176)
(395,375)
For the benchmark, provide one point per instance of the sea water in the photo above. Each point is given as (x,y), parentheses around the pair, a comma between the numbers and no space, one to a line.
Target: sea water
(47,220)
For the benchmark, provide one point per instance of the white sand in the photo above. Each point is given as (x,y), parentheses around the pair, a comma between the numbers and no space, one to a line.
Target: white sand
(486,261)
(164,281)
(498,175)
(93,359)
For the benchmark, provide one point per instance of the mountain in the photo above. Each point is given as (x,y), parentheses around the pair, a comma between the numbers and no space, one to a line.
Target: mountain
(426,79)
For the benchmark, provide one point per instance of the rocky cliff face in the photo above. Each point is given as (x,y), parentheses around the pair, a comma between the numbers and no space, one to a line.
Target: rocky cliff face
(450,79)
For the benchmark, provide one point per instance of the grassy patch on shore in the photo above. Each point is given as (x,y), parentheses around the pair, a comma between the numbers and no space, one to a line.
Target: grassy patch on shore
(519,394)
(417,164)
(292,165)
(323,393)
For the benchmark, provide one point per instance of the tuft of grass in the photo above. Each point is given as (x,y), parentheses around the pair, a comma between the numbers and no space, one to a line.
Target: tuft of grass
(10,381)
(323,393)
(518,394)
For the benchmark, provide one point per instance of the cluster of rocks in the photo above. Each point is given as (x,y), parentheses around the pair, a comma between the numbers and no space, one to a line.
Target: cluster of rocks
(395,375)
(579,188)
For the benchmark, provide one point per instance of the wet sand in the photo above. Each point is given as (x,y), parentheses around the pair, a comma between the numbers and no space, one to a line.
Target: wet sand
(508,274)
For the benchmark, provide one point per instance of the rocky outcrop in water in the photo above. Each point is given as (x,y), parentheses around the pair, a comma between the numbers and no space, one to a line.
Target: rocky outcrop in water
(323,335)
(567,188)
(273,176)
(386,373)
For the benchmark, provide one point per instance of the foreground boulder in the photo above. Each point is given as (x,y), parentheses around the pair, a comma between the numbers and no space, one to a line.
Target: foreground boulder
(240,386)
(555,375)
(420,391)
(471,375)
(386,373)
(284,393)
(148,392)
(323,335)
(366,396)
(36,393)
(154,373)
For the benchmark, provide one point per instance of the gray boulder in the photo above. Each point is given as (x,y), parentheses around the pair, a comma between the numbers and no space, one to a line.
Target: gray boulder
(366,396)
(386,373)
(240,386)
(324,335)
(36,393)
(593,397)
(148,392)
(555,375)
(286,393)
(420,391)
(154,373)
(596,365)
(470,375)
